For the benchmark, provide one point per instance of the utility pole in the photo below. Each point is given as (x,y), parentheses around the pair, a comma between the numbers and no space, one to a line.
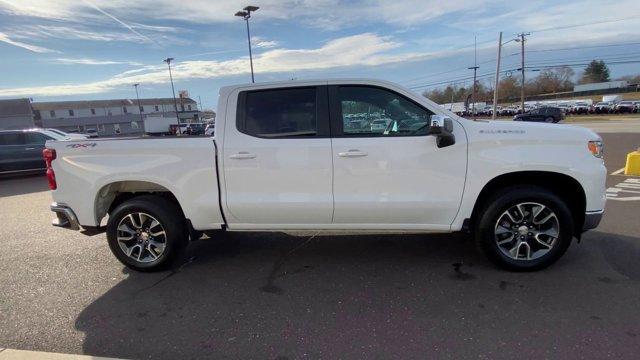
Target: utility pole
(246,15)
(473,91)
(453,90)
(475,70)
(495,90)
(521,38)
(173,91)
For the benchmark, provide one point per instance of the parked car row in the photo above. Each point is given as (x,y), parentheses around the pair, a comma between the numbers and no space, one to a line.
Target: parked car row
(579,108)
(605,107)
(500,111)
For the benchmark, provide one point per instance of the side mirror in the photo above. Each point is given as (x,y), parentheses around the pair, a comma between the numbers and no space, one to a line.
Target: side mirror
(442,127)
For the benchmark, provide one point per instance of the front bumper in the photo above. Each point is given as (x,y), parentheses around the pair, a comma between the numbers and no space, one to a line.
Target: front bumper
(65,217)
(592,219)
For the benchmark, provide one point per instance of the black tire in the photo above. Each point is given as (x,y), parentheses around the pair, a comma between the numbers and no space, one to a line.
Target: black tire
(171,220)
(490,213)
(550,119)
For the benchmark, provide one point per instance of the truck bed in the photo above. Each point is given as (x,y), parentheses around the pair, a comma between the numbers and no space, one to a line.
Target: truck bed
(183,166)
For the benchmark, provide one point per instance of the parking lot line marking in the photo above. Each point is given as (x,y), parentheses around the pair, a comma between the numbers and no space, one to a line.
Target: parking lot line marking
(619,191)
(619,171)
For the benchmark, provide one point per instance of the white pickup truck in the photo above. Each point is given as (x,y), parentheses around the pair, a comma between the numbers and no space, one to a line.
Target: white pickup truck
(285,156)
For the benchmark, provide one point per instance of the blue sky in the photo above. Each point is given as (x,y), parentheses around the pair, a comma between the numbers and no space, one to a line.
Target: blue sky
(96,49)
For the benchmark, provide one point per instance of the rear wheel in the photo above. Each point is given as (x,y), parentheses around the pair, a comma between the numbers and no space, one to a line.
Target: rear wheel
(550,119)
(524,228)
(147,233)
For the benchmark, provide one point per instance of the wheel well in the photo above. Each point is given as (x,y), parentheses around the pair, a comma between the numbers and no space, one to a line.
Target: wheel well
(563,186)
(114,194)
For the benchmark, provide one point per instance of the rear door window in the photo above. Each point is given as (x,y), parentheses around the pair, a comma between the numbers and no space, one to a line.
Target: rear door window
(283,113)
(12,139)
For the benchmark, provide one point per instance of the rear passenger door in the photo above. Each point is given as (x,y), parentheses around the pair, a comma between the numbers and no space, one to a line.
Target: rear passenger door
(34,144)
(12,152)
(276,157)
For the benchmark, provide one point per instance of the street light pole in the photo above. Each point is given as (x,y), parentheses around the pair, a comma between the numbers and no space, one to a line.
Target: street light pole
(138,97)
(495,90)
(173,91)
(246,15)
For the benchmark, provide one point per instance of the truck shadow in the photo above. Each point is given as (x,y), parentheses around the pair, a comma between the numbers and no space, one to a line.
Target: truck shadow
(11,185)
(277,295)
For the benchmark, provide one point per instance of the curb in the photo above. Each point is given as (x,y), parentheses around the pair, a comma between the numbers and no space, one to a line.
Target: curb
(12,354)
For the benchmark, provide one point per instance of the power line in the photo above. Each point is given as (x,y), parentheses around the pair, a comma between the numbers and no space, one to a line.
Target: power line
(530,68)
(547,63)
(634,61)
(634,17)
(585,47)
(423,77)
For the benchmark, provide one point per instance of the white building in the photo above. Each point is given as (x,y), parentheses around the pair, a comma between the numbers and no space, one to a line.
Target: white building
(109,117)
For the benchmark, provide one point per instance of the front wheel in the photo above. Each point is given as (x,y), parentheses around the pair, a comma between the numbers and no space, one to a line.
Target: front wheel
(524,228)
(147,233)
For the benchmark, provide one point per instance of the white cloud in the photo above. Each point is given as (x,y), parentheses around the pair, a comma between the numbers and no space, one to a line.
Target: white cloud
(87,61)
(320,13)
(259,42)
(37,49)
(365,50)
(114,18)
(69,33)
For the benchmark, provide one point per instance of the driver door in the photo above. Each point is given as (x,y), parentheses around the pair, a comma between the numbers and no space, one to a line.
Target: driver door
(397,178)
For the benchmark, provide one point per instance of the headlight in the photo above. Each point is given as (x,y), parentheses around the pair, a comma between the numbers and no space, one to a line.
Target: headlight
(596,148)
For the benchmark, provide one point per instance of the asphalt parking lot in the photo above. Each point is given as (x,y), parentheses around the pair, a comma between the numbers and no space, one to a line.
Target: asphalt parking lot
(279,296)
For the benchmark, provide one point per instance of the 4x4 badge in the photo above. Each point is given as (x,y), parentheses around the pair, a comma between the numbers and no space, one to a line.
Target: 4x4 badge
(82,145)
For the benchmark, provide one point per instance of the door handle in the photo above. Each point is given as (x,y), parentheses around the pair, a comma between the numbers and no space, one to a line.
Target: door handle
(242,155)
(352,153)
(30,148)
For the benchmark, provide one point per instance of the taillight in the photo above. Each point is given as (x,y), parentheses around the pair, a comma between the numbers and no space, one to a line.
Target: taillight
(49,155)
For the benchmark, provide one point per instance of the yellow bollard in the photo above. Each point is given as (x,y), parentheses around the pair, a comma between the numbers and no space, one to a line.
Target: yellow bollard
(633,164)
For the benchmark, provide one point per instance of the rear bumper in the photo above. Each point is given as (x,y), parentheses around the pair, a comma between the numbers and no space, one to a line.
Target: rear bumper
(592,220)
(65,217)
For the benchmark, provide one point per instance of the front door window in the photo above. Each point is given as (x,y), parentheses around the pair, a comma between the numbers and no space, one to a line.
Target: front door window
(372,111)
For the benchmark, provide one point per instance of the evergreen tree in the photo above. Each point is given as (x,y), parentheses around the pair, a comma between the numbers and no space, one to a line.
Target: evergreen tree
(596,71)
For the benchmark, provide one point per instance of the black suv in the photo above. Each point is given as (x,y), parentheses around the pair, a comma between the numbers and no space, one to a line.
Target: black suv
(21,151)
(543,114)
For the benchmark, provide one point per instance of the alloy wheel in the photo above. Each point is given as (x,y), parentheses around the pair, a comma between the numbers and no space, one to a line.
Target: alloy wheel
(141,237)
(527,231)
